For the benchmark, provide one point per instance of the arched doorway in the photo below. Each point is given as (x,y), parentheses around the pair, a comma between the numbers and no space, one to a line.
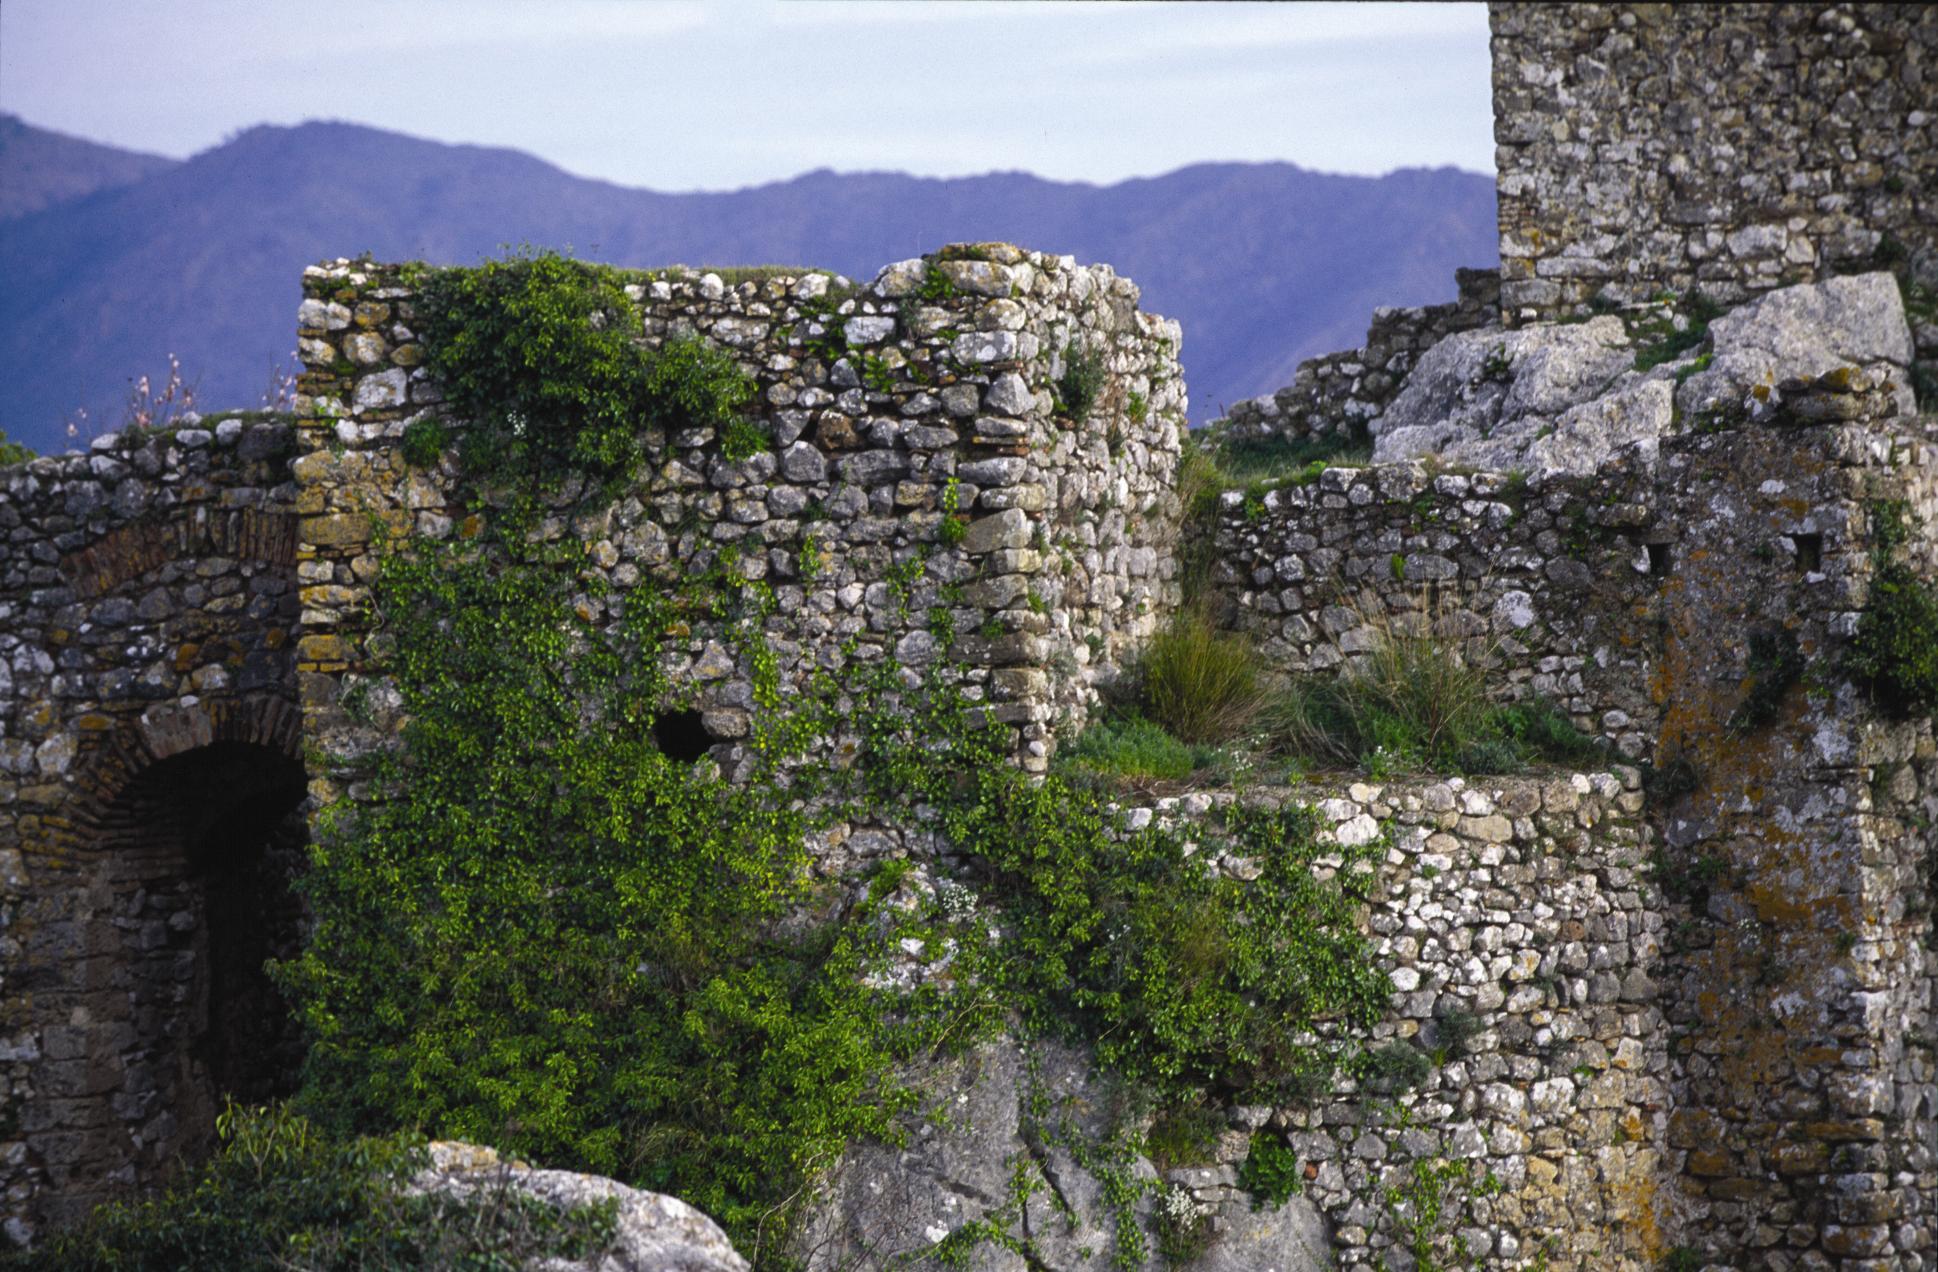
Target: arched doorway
(216,834)
(143,963)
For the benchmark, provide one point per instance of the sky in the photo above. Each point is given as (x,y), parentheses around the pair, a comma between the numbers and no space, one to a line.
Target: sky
(688,95)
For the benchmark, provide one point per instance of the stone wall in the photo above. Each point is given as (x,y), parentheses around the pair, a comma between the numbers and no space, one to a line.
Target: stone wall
(889,405)
(1519,922)
(1551,586)
(1524,934)
(1650,602)
(1729,148)
(1336,397)
(147,616)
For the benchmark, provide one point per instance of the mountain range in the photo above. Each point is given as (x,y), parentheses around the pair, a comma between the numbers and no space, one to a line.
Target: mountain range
(110,261)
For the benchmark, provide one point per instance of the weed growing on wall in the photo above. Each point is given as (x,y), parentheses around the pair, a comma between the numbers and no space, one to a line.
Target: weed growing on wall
(544,355)
(1895,650)
(1082,380)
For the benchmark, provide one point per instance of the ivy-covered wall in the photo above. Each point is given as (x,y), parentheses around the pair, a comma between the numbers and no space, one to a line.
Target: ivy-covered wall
(1010,418)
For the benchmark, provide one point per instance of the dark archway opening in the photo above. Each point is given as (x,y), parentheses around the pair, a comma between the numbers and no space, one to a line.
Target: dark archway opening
(682,735)
(217,836)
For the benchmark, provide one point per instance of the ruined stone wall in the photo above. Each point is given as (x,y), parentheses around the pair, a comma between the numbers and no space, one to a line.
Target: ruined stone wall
(931,389)
(1338,396)
(1655,603)
(1726,147)
(1524,932)
(1804,988)
(1549,587)
(147,612)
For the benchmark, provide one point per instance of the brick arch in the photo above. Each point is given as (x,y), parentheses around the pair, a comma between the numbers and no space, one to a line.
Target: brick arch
(117,791)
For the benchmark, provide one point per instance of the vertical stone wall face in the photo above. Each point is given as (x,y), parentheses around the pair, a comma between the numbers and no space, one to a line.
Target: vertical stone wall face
(1797,973)
(1729,148)
(147,614)
(1551,587)
(1805,986)
(939,392)
(1524,935)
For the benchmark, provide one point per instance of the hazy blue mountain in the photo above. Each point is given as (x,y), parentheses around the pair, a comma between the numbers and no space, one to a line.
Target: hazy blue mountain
(39,168)
(1263,263)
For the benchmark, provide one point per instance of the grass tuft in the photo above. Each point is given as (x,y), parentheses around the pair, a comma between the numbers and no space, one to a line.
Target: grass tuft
(1202,684)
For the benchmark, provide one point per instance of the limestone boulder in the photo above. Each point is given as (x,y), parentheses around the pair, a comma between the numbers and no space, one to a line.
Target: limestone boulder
(1473,383)
(1006,1112)
(655,1233)
(1802,332)
(1566,399)
(1537,399)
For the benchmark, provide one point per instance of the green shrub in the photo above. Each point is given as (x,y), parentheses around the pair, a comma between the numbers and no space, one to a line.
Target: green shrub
(1184,1134)
(1270,1171)
(1082,380)
(742,439)
(12,452)
(279,1196)
(1130,747)
(424,442)
(546,356)
(1201,684)
(1181,977)
(1895,650)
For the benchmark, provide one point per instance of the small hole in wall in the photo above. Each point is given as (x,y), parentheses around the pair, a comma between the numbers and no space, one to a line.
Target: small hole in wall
(680,735)
(1810,552)
(1662,558)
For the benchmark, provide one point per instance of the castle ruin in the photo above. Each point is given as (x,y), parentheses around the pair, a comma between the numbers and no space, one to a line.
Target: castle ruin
(1747,1070)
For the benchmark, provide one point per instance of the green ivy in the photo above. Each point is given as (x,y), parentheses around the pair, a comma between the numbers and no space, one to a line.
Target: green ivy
(550,936)
(547,359)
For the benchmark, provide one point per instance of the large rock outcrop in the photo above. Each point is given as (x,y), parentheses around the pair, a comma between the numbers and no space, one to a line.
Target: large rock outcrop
(654,1233)
(1565,399)
(1010,1124)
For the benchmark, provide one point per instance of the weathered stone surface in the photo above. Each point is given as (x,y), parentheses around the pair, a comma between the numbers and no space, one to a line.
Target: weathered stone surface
(1803,332)
(654,1233)
(1708,147)
(1520,399)
(1007,1106)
